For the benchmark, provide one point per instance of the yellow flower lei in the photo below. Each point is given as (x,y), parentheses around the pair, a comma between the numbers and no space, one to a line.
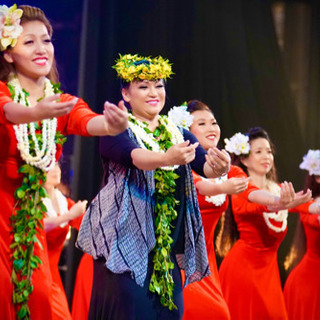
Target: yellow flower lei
(133,67)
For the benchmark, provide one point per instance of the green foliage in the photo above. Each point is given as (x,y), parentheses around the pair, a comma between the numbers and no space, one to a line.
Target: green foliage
(161,280)
(26,220)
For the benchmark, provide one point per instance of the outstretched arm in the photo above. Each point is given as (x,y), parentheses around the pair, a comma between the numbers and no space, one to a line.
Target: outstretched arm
(288,197)
(113,121)
(178,154)
(45,109)
(76,211)
(231,186)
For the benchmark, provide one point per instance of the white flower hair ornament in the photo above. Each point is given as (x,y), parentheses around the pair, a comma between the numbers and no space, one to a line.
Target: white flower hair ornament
(10,28)
(238,144)
(180,116)
(311,162)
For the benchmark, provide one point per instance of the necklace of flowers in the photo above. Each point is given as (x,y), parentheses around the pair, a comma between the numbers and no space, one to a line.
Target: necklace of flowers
(150,140)
(42,157)
(160,140)
(219,199)
(29,208)
(280,216)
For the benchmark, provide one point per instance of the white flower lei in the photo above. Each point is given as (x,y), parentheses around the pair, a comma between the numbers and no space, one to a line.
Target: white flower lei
(45,157)
(147,139)
(280,216)
(219,199)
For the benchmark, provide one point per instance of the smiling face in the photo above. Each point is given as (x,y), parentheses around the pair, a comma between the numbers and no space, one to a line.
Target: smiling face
(33,54)
(205,128)
(260,160)
(146,98)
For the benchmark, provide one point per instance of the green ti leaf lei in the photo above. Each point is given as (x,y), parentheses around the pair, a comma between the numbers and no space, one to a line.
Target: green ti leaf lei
(26,220)
(161,280)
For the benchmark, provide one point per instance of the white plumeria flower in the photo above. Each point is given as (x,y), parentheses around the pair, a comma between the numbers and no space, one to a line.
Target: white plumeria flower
(238,144)
(10,28)
(2,19)
(311,162)
(180,116)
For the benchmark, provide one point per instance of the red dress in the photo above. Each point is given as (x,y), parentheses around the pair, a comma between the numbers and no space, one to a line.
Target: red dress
(249,273)
(10,161)
(204,299)
(55,241)
(82,288)
(302,288)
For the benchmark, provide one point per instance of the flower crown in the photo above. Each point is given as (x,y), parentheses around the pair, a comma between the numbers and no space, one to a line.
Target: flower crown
(10,28)
(238,144)
(133,67)
(180,116)
(311,162)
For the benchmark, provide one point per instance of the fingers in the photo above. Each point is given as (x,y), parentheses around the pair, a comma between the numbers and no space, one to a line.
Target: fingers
(304,197)
(52,107)
(287,193)
(218,160)
(121,106)
(189,151)
(116,117)
(239,184)
(52,98)
(182,153)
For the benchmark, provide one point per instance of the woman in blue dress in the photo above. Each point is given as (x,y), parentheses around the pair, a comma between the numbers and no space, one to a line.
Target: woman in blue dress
(144,225)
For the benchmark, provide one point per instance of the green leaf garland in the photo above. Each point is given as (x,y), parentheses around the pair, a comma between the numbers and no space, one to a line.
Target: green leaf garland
(27,217)
(165,186)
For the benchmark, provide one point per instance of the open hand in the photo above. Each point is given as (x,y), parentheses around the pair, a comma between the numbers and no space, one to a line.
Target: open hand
(290,199)
(219,161)
(51,107)
(181,153)
(116,117)
(236,185)
(78,209)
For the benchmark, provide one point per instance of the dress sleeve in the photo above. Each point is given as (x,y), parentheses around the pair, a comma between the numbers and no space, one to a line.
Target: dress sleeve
(302,208)
(199,161)
(196,177)
(311,220)
(236,172)
(5,97)
(241,203)
(76,121)
(118,148)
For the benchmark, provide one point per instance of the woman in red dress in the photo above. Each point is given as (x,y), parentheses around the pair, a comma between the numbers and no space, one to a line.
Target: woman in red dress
(302,287)
(249,273)
(82,288)
(62,213)
(204,299)
(28,104)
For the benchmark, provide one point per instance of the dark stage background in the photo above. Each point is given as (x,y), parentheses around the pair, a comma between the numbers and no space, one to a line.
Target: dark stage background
(229,53)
